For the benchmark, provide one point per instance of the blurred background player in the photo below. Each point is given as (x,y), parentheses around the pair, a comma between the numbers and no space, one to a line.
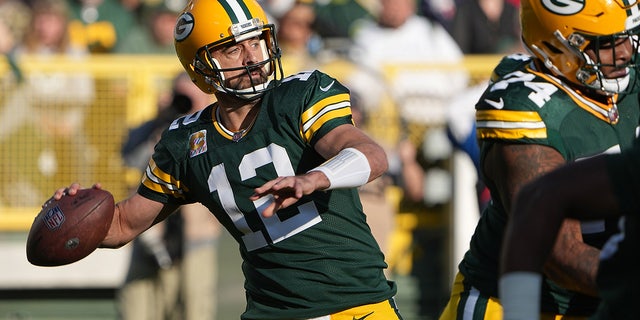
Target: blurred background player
(173,269)
(574,97)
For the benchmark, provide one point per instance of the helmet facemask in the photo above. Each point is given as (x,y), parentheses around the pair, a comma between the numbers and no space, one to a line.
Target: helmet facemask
(271,67)
(569,38)
(590,73)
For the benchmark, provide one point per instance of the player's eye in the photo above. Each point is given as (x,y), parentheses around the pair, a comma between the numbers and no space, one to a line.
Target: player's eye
(254,43)
(231,50)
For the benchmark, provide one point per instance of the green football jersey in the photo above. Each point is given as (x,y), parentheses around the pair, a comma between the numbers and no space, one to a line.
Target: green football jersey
(524,106)
(312,259)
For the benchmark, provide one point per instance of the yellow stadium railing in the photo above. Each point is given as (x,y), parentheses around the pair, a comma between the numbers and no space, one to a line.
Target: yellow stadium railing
(66,121)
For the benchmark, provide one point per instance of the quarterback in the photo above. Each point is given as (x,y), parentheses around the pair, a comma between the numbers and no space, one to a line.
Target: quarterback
(574,97)
(277,161)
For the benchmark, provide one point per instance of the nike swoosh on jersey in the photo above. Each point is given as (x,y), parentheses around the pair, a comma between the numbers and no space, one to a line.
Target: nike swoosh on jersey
(325,89)
(496,104)
(363,317)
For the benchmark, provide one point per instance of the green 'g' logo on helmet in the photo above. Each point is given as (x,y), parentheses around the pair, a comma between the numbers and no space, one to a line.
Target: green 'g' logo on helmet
(563,7)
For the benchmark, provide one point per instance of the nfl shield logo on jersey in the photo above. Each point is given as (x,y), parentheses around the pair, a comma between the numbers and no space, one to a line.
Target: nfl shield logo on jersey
(197,143)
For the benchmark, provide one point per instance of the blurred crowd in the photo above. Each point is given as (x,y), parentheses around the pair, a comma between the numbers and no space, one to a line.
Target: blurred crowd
(375,47)
(146,26)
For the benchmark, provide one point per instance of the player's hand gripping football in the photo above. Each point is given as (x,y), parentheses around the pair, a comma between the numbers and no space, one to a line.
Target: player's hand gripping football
(69,228)
(72,190)
(288,190)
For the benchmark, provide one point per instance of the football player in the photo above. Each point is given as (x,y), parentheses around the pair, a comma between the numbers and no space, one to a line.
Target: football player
(603,187)
(575,96)
(277,161)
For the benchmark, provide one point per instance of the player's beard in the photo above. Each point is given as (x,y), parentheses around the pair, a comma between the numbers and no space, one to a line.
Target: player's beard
(247,79)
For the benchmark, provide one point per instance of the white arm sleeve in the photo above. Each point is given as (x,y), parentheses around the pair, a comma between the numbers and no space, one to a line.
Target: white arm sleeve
(348,169)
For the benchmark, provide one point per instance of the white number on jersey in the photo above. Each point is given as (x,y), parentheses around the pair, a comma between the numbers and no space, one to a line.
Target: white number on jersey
(276,229)
(542,91)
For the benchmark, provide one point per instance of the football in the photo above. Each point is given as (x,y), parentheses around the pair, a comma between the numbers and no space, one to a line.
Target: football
(69,229)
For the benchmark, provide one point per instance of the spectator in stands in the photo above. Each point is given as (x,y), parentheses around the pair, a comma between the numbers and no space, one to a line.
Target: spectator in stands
(402,39)
(48,32)
(47,111)
(335,20)
(173,268)
(442,11)
(154,34)
(487,26)
(14,22)
(99,24)
(400,45)
(295,36)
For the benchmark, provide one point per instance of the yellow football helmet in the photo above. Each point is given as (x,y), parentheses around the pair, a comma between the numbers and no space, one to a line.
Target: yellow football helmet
(558,32)
(207,24)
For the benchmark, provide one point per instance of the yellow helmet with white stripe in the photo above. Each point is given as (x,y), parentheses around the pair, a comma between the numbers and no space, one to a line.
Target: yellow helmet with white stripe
(207,24)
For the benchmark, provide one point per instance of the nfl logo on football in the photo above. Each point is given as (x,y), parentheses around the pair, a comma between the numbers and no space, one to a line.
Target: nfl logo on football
(54,218)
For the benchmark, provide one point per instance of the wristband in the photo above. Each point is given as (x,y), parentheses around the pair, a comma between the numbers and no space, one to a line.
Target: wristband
(520,295)
(348,169)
